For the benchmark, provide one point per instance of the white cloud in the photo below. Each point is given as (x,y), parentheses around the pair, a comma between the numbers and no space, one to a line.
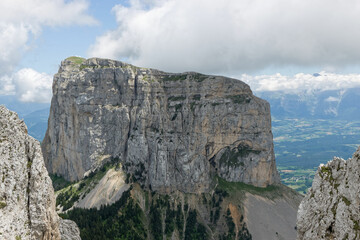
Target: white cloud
(13,39)
(28,85)
(32,86)
(332,99)
(302,82)
(21,21)
(233,35)
(45,12)
(7,86)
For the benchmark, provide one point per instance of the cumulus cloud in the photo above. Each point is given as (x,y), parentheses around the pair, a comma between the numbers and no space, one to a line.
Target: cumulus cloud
(28,85)
(21,22)
(7,86)
(45,12)
(32,86)
(13,39)
(233,35)
(302,82)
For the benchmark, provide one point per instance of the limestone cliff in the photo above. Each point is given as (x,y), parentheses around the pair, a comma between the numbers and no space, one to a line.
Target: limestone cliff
(27,202)
(27,199)
(170,131)
(330,209)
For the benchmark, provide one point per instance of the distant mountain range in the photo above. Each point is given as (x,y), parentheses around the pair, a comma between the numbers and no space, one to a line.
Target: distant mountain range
(311,128)
(35,115)
(37,123)
(341,104)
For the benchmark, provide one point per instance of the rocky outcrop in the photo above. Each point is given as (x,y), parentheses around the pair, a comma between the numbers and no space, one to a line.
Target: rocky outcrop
(330,209)
(170,131)
(26,194)
(69,230)
(27,202)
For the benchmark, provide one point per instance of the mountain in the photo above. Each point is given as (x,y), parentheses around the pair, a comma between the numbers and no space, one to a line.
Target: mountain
(37,123)
(35,115)
(310,127)
(27,201)
(170,131)
(21,108)
(145,154)
(330,209)
(342,104)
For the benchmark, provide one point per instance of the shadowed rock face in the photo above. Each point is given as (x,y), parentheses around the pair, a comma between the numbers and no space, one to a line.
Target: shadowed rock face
(330,209)
(170,131)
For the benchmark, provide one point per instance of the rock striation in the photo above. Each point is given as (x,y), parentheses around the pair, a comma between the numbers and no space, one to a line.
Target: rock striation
(330,210)
(170,131)
(27,201)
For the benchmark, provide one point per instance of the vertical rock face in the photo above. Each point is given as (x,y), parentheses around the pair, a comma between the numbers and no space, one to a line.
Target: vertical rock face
(27,203)
(330,209)
(170,131)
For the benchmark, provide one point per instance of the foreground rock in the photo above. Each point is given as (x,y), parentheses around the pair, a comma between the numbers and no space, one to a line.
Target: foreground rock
(27,202)
(69,230)
(170,131)
(330,209)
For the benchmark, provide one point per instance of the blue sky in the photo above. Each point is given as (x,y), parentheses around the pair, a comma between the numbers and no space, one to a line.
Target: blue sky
(57,43)
(274,44)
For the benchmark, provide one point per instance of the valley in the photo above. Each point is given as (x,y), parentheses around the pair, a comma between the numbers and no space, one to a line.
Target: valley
(301,145)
